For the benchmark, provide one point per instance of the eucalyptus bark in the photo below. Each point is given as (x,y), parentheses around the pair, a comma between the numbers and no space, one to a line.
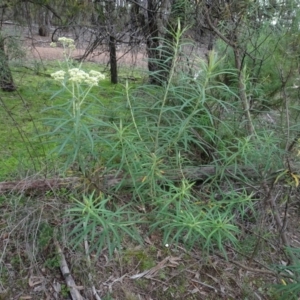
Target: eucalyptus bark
(152,42)
(112,16)
(113,60)
(6,79)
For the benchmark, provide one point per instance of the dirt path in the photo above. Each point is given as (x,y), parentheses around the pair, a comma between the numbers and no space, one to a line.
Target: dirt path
(38,48)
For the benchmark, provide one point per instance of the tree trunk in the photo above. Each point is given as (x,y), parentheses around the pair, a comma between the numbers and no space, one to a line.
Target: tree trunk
(178,13)
(113,60)
(162,25)
(152,42)
(6,79)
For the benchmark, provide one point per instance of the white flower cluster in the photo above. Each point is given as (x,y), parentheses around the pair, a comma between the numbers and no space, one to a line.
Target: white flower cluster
(59,75)
(94,74)
(92,78)
(79,76)
(69,43)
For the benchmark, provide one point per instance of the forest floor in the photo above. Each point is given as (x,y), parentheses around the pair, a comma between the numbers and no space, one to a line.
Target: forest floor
(38,48)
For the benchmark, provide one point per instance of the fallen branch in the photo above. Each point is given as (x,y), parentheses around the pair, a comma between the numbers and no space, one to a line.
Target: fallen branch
(271,200)
(67,274)
(87,253)
(111,180)
(40,185)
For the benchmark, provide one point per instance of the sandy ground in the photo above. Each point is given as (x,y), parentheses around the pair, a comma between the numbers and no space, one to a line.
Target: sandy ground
(39,49)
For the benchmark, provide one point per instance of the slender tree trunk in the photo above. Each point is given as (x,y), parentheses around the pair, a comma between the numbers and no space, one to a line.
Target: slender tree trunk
(152,42)
(113,60)
(6,79)
(178,13)
(160,58)
(112,15)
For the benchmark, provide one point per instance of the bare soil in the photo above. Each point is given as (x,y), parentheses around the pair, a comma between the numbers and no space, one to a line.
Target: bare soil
(39,49)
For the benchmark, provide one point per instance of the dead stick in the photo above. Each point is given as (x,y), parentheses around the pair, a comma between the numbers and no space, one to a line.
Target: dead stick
(86,247)
(271,201)
(66,273)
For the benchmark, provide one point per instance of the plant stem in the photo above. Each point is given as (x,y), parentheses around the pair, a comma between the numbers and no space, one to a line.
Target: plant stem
(178,35)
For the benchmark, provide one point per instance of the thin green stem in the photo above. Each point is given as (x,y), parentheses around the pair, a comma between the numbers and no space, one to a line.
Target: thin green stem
(178,35)
(131,112)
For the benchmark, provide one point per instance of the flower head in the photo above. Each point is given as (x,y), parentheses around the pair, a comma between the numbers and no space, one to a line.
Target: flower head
(65,40)
(77,75)
(97,75)
(67,43)
(94,77)
(58,75)
(92,81)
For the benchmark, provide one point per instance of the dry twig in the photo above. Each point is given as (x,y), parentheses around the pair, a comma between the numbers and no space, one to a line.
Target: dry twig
(86,247)
(66,274)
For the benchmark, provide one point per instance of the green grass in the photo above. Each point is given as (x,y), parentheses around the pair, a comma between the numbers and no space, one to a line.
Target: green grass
(22,149)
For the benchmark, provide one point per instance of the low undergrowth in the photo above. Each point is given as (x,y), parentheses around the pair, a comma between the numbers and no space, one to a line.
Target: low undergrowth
(173,189)
(24,151)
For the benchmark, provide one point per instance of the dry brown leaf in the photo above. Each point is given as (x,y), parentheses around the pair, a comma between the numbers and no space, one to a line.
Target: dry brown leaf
(165,288)
(56,286)
(4,235)
(78,287)
(48,297)
(149,273)
(139,275)
(147,240)
(169,261)
(39,288)
(213,278)
(158,267)
(174,260)
(35,280)
(194,291)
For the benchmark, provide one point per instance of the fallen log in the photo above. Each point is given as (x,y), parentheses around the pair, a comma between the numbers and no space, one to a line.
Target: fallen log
(37,184)
(107,181)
